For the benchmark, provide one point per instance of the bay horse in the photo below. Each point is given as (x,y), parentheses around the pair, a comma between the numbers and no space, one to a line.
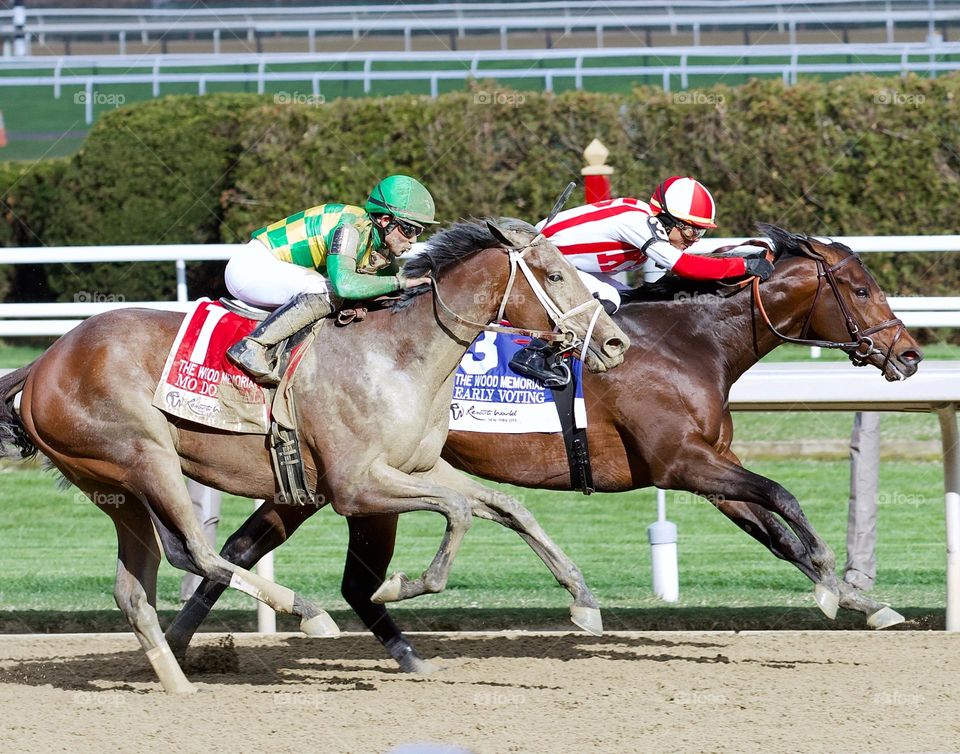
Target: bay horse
(373,407)
(661,419)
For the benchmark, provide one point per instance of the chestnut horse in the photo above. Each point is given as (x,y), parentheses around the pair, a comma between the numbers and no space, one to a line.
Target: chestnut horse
(662,419)
(373,407)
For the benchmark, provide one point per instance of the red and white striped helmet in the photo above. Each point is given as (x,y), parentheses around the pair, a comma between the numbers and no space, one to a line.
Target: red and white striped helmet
(685,199)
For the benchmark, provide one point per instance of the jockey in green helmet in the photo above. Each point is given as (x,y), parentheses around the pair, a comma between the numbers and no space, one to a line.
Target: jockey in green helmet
(298,265)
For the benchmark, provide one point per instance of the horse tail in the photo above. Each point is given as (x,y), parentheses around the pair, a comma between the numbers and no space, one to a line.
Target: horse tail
(12,431)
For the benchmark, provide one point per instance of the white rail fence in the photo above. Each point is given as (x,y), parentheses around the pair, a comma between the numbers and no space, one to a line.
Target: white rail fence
(504,20)
(54,319)
(812,387)
(789,62)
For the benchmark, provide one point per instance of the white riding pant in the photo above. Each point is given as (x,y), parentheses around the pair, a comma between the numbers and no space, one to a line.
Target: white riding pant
(605,287)
(258,278)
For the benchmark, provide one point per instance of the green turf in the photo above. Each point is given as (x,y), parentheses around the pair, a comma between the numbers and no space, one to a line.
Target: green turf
(59,551)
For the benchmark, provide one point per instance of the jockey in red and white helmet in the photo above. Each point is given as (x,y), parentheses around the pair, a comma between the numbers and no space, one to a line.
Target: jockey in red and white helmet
(619,235)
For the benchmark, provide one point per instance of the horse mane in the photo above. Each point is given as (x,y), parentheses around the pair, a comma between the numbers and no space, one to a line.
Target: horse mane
(673,287)
(451,246)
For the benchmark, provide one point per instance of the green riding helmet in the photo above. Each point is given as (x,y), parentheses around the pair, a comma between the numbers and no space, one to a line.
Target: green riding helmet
(403,197)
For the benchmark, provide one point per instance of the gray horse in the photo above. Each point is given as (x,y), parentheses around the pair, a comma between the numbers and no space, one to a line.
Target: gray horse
(373,402)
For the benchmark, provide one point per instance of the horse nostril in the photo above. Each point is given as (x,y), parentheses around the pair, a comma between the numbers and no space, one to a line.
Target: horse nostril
(614,347)
(911,357)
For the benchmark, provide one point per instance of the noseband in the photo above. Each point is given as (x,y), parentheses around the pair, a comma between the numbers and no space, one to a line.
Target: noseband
(860,347)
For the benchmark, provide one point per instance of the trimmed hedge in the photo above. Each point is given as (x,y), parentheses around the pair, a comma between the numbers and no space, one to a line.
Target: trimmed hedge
(28,192)
(150,174)
(860,155)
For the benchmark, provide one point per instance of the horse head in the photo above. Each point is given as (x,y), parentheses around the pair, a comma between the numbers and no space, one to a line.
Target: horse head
(530,284)
(848,309)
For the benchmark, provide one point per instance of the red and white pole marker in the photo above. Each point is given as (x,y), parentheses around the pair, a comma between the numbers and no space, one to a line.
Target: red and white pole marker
(596,175)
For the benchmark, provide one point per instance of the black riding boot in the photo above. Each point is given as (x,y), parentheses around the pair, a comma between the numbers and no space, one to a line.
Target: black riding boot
(540,362)
(253,352)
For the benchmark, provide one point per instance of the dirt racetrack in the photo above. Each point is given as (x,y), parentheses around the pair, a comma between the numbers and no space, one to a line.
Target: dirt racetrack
(775,691)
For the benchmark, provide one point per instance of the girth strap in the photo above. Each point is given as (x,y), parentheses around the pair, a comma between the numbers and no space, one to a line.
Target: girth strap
(574,439)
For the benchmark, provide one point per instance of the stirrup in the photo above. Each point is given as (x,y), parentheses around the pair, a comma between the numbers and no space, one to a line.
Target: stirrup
(555,374)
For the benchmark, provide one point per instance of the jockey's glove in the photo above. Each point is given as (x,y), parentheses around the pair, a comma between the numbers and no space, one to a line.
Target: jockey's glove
(758,267)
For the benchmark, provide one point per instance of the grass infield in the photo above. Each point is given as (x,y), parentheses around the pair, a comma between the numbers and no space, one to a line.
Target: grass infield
(58,551)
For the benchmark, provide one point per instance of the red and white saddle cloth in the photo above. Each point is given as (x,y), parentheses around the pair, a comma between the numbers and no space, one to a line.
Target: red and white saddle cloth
(201,385)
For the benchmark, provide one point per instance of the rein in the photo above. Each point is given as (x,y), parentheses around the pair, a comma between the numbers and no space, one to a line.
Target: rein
(860,339)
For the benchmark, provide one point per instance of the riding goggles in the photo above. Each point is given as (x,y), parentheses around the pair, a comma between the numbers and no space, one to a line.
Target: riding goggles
(409,230)
(690,233)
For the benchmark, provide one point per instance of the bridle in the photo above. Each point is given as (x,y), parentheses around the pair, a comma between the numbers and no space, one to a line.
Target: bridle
(566,337)
(861,346)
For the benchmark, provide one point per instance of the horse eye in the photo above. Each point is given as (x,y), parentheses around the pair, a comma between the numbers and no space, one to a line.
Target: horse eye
(863,293)
(555,277)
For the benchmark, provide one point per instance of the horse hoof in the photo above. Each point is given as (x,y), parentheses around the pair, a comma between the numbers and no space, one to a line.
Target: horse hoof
(413,664)
(827,601)
(320,625)
(587,618)
(884,618)
(389,590)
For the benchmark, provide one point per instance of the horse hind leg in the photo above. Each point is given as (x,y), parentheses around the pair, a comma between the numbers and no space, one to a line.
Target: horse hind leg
(704,471)
(767,529)
(158,476)
(265,529)
(369,553)
(135,589)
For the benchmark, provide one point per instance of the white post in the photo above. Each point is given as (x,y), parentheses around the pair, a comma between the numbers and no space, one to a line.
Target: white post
(663,553)
(19,34)
(266,618)
(951,484)
(181,280)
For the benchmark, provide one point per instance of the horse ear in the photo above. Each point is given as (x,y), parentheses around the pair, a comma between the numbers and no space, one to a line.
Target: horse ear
(497,232)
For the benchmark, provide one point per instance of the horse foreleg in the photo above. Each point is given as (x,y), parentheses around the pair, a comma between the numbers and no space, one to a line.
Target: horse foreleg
(268,527)
(505,510)
(372,540)
(702,470)
(386,490)
(135,590)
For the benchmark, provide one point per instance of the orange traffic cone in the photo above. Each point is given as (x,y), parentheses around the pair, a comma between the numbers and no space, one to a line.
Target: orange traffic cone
(3,131)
